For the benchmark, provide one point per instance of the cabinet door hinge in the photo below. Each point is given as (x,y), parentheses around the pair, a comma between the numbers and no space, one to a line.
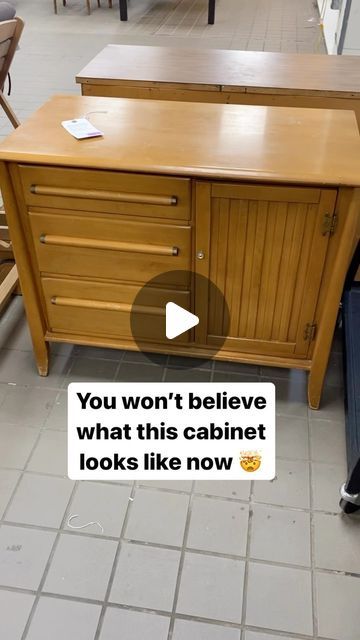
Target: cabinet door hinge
(310,331)
(329,224)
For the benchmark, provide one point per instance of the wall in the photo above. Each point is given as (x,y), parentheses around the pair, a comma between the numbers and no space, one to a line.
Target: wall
(352,38)
(330,19)
(333,21)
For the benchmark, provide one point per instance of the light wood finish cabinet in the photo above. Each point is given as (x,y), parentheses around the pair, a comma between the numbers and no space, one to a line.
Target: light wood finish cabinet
(223,76)
(262,202)
(266,251)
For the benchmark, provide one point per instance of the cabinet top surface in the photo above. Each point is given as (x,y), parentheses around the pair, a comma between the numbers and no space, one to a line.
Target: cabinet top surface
(229,70)
(271,144)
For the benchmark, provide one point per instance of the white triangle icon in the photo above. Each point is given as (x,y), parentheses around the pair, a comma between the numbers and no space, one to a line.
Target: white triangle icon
(178,320)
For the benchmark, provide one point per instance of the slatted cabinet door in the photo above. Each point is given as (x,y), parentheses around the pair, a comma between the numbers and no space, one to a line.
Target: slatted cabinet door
(264,247)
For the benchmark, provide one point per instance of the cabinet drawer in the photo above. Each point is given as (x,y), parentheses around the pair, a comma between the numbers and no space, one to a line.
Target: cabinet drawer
(112,249)
(99,309)
(106,191)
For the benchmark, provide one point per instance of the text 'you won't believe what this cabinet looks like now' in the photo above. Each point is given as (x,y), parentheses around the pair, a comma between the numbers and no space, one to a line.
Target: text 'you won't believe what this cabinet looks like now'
(259,203)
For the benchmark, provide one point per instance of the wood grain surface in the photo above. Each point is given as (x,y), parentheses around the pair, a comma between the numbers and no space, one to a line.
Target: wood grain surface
(216,69)
(276,144)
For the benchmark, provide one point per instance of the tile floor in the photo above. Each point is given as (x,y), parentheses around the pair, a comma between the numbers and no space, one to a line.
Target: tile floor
(175,560)
(180,560)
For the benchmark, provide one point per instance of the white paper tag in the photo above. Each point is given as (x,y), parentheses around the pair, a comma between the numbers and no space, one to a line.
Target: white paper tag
(81,128)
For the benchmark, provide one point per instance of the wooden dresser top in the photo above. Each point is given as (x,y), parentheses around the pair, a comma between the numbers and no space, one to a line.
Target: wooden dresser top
(273,144)
(215,69)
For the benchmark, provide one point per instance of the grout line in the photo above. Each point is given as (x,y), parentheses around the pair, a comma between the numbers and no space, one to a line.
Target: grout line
(163,378)
(7,587)
(115,563)
(46,429)
(312,541)
(22,472)
(247,561)
(170,491)
(58,391)
(121,360)
(288,635)
(181,563)
(44,474)
(47,567)
(189,550)
(212,371)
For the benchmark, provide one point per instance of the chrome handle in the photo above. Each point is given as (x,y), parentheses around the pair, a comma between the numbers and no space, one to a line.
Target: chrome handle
(200,255)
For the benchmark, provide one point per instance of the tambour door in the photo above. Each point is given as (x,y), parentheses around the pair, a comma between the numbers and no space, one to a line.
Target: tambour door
(264,247)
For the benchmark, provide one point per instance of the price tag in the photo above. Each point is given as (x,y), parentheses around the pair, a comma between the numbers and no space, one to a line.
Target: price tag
(81,128)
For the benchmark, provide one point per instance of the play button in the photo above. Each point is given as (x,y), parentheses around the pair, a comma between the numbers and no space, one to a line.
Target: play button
(178,320)
(168,318)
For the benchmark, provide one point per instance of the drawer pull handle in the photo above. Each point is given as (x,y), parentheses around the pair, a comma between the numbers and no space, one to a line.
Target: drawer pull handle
(106,305)
(109,245)
(116,196)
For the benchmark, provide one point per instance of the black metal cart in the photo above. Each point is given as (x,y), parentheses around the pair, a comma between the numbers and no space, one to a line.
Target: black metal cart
(350,491)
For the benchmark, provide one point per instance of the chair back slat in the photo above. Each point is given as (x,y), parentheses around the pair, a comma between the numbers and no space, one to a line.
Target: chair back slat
(10,32)
(4,47)
(7,29)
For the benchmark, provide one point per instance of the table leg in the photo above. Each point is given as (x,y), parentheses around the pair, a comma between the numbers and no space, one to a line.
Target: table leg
(211,12)
(123,10)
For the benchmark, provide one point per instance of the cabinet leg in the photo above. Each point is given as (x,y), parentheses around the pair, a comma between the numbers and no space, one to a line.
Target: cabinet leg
(315,385)
(42,353)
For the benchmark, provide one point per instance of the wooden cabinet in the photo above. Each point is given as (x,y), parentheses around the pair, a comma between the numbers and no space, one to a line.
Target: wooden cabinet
(261,202)
(265,249)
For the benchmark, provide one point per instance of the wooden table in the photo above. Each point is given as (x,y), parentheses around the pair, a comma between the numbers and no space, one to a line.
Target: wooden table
(212,75)
(262,201)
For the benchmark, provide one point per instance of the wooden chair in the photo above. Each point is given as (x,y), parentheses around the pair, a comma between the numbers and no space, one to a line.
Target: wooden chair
(88,5)
(8,271)
(10,32)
